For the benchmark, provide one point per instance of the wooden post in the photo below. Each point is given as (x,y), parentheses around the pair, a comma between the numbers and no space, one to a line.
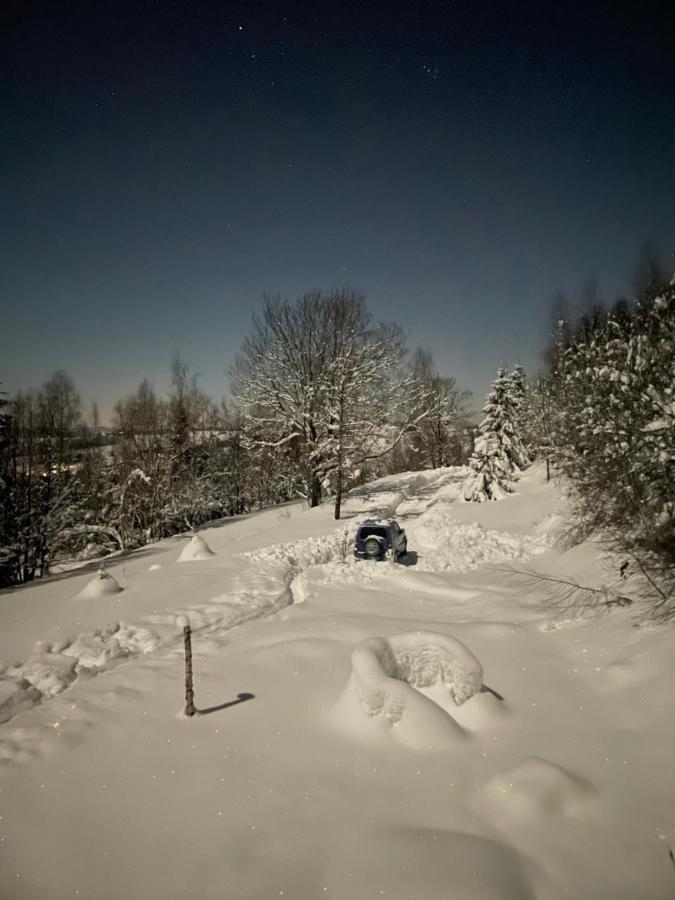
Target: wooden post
(343,546)
(184,623)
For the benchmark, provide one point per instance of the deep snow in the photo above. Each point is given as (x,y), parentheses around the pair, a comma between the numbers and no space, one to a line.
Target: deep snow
(427,730)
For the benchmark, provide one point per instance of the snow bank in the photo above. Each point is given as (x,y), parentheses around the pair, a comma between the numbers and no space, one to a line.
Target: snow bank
(444,544)
(335,564)
(385,675)
(303,553)
(356,571)
(197,549)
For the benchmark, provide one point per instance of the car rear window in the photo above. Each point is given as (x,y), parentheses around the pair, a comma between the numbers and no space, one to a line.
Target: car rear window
(366,531)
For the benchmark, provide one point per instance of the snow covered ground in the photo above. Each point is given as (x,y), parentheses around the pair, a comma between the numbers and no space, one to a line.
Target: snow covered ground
(428,730)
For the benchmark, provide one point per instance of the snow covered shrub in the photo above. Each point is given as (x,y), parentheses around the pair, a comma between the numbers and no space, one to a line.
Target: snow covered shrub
(613,431)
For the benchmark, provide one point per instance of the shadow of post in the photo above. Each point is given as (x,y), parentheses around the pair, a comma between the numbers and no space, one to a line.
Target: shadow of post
(241,698)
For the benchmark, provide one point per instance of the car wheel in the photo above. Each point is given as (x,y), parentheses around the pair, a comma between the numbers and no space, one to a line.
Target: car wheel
(372,548)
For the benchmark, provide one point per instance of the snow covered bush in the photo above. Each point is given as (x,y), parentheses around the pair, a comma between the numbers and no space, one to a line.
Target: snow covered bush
(613,431)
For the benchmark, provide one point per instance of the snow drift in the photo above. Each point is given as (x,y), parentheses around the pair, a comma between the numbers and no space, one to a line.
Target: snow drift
(387,674)
(444,544)
(536,788)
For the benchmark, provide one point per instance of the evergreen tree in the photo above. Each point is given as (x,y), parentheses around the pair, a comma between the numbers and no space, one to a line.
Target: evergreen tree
(491,478)
(519,453)
(498,449)
(492,475)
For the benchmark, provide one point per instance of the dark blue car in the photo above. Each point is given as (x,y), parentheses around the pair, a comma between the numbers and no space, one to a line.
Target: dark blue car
(380,539)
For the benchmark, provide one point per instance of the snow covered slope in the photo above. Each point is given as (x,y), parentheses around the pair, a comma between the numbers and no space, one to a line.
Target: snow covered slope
(427,730)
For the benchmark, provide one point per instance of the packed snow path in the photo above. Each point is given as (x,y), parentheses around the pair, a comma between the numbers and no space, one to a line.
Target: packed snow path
(553,779)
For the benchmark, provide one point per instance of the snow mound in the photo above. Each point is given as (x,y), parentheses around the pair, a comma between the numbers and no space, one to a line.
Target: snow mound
(385,684)
(626,672)
(444,544)
(195,550)
(536,788)
(101,585)
(154,567)
(482,712)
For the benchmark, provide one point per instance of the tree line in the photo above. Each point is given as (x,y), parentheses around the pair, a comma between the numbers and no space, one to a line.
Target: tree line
(602,416)
(323,397)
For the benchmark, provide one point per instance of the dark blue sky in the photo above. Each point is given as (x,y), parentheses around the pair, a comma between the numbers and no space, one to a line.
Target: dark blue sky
(163,164)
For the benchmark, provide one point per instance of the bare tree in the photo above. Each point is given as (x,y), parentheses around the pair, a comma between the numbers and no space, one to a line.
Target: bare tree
(319,374)
(439,436)
(373,395)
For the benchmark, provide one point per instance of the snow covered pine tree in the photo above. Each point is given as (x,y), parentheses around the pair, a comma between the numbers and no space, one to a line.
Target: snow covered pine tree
(499,453)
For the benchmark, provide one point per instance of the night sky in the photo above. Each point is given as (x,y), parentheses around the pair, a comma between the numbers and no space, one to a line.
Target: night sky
(163,164)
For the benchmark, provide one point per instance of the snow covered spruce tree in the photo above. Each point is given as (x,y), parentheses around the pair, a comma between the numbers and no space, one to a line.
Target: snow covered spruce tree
(518,390)
(320,375)
(498,454)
